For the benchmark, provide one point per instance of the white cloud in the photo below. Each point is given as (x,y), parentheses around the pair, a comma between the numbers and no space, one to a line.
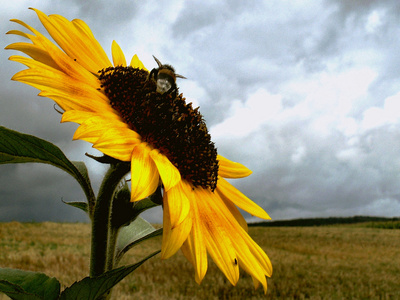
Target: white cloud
(374,20)
(348,126)
(245,118)
(333,92)
(349,154)
(192,92)
(329,98)
(299,153)
(374,117)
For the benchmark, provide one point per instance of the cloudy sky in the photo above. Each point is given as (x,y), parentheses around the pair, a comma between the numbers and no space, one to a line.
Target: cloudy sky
(304,93)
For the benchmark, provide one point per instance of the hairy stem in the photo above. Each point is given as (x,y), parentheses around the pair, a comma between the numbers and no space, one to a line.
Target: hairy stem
(101,219)
(112,241)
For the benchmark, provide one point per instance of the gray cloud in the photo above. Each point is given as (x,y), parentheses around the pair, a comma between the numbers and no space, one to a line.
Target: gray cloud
(322,138)
(33,192)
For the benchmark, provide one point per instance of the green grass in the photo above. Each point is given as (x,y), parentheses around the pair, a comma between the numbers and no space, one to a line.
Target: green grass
(327,262)
(384,225)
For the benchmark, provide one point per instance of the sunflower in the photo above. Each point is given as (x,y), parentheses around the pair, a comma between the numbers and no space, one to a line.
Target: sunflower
(165,140)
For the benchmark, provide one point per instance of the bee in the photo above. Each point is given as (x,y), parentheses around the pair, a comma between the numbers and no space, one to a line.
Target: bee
(165,77)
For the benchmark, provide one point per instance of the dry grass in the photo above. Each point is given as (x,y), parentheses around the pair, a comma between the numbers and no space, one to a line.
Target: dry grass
(344,262)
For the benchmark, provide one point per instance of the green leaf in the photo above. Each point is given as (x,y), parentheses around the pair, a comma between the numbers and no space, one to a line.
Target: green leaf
(92,288)
(136,232)
(142,205)
(81,205)
(80,165)
(16,147)
(15,292)
(27,285)
(124,211)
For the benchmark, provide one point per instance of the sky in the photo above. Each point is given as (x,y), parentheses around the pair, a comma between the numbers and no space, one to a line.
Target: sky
(304,93)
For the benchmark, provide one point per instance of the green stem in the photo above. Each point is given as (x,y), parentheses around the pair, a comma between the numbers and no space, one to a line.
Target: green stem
(101,219)
(112,241)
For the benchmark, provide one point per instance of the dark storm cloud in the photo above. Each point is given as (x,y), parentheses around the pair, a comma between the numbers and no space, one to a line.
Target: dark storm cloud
(41,190)
(98,14)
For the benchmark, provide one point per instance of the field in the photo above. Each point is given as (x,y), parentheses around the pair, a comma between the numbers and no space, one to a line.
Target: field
(326,262)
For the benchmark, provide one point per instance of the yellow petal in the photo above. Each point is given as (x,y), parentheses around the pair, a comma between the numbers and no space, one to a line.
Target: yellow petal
(100,58)
(74,39)
(144,174)
(18,32)
(34,51)
(77,94)
(93,128)
(173,238)
(79,117)
(37,38)
(79,102)
(117,55)
(117,142)
(258,253)
(170,175)
(235,212)
(257,276)
(230,169)
(195,247)
(86,32)
(249,255)
(179,203)
(248,250)
(44,77)
(76,116)
(218,243)
(229,193)
(136,63)
(199,263)
(68,64)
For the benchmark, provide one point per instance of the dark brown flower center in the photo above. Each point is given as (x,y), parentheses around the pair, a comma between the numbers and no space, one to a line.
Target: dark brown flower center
(164,121)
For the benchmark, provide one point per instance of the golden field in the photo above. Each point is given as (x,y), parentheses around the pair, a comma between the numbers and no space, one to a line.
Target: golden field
(329,262)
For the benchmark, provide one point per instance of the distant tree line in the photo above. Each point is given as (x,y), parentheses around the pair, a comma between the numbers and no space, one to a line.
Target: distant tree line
(324,221)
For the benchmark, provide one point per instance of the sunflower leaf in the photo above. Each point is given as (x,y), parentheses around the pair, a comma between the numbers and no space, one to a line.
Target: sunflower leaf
(131,235)
(16,147)
(92,288)
(81,166)
(124,211)
(19,284)
(143,205)
(81,205)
